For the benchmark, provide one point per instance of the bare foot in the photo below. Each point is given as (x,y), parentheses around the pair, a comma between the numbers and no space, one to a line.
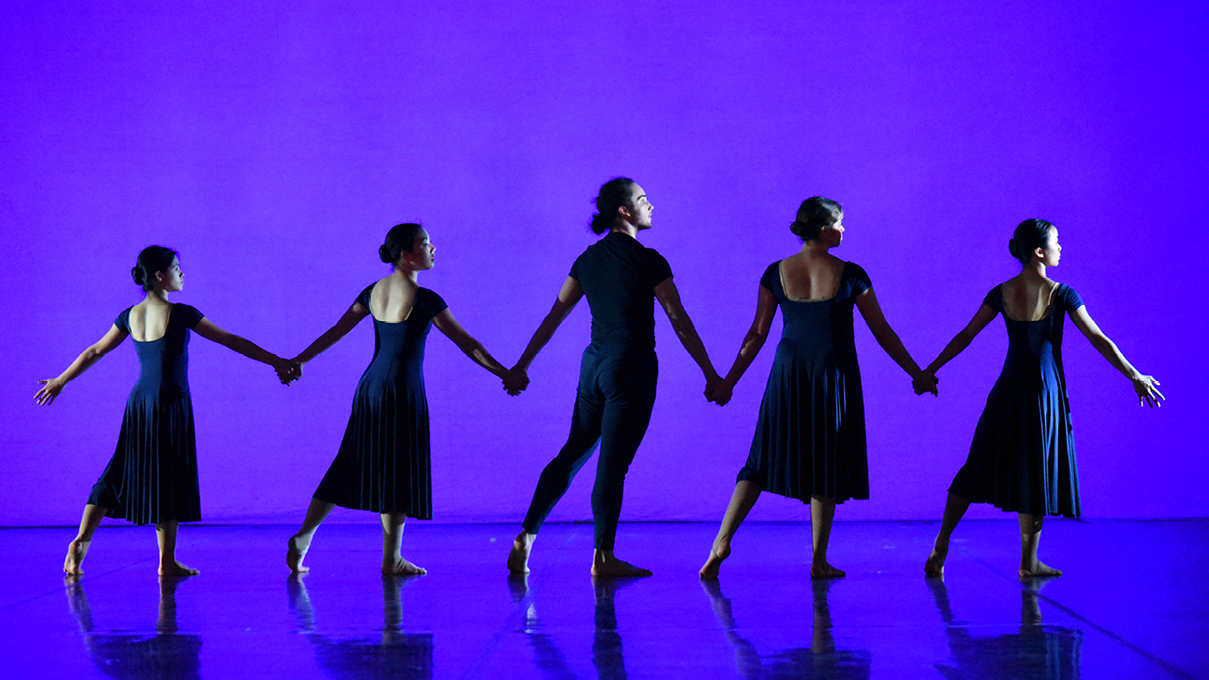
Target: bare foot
(935,566)
(401,567)
(719,552)
(76,550)
(296,550)
(175,568)
(518,558)
(824,570)
(1038,569)
(605,564)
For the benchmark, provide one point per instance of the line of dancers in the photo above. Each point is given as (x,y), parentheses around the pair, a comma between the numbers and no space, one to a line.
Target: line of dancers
(809,440)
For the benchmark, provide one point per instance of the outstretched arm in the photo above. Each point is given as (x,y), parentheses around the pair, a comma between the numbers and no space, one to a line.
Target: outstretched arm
(477,353)
(210,331)
(568,297)
(766,309)
(1142,384)
(669,297)
(963,339)
(331,336)
(53,386)
(888,339)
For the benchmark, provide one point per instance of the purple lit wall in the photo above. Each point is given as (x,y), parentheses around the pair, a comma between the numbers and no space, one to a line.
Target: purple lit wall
(274,147)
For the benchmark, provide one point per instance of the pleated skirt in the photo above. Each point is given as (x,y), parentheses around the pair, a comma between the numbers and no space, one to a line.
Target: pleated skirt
(384,462)
(1022,458)
(810,437)
(152,476)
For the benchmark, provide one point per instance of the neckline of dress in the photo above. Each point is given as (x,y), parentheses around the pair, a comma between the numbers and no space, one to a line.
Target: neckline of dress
(839,284)
(167,326)
(1049,308)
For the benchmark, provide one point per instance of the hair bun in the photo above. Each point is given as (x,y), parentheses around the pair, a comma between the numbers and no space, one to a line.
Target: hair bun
(139,274)
(1014,248)
(384,254)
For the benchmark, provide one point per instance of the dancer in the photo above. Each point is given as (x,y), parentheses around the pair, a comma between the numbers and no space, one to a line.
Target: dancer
(152,477)
(1023,455)
(617,376)
(810,438)
(383,461)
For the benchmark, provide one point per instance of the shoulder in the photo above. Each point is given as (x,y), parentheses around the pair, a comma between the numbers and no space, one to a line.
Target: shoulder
(657,262)
(856,275)
(430,302)
(123,320)
(772,274)
(189,314)
(994,298)
(363,298)
(1067,297)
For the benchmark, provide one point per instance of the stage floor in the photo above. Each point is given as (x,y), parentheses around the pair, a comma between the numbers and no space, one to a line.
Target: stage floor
(1134,603)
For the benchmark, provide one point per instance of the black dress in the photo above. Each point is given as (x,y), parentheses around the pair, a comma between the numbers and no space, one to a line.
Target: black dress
(810,438)
(152,476)
(1023,455)
(383,464)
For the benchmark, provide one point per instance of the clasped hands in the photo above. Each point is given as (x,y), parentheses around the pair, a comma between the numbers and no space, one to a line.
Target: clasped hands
(288,370)
(516,380)
(926,381)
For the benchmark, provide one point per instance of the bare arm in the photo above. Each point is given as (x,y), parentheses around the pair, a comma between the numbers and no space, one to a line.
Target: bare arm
(568,297)
(466,342)
(888,339)
(331,336)
(963,338)
(766,309)
(1142,384)
(53,386)
(669,297)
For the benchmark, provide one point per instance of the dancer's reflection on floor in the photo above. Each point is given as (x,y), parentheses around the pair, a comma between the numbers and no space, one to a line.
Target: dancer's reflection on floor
(822,659)
(166,654)
(607,653)
(1037,651)
(392,654)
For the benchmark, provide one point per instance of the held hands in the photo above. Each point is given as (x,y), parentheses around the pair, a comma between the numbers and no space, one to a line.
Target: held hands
(1144,386)
(719,390)
(516,381)
(288,370)
(50,389)
(926,381)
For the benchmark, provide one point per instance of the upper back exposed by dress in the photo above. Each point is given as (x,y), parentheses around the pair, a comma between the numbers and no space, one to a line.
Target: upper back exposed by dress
(163,362)
(399,347)
(1034,355)
(618,276)
(819,332)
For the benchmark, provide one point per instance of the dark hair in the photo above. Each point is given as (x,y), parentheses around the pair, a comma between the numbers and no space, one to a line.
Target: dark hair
(1030,235)
(152,260)
(401,238)
(614,194)
(815,214)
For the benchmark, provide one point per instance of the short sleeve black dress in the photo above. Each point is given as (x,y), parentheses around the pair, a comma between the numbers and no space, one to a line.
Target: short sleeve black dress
(152,476)
(384,461)
(810,438)
(1023,455)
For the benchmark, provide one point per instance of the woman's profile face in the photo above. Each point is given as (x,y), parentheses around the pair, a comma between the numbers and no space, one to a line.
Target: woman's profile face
(834,235)
(1052,252)
(423,252)
(172,279)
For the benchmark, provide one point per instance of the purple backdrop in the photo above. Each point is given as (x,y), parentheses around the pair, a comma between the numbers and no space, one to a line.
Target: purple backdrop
(274,147)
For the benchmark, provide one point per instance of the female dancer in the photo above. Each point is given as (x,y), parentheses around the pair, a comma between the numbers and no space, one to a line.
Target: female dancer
(152,477)
(617,376)
(810,439)
(383,462)
(1023,455)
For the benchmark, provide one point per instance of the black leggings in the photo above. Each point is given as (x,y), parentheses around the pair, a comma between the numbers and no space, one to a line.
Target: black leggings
(612,408)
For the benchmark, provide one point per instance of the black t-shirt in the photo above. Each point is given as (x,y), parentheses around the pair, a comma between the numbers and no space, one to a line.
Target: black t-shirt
(618,276)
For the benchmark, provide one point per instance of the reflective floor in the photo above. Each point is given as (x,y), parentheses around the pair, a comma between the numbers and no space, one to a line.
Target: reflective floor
(1133,604)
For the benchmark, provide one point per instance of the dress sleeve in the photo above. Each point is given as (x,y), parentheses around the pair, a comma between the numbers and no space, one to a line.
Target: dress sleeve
(363,298)
(432,304)
(1069,299)
(123,321)
(188,315)
(857,278)
(994,300)
(771,275)
(660,270)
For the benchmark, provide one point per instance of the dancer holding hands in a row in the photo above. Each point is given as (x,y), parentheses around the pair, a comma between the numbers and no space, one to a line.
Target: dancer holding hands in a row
(810,438)
(152,477)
